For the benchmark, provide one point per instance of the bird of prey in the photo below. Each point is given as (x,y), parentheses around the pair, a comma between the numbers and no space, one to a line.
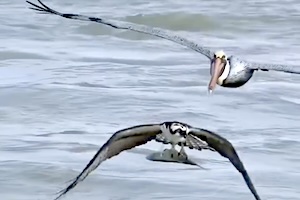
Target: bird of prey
(169,132)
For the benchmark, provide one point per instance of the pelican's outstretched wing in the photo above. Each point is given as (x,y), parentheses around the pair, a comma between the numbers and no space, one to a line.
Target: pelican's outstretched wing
(276,67)
(128,26)
(120,141)
(225,148)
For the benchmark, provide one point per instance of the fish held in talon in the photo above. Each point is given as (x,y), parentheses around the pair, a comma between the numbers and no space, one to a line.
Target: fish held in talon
(169,132)
(226,71)
(172,156)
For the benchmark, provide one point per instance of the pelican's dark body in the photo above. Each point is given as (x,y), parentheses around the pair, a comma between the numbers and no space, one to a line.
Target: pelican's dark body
(239,73)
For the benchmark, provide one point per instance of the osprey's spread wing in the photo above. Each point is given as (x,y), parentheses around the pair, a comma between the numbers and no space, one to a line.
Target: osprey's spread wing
(225,148)
(120,141)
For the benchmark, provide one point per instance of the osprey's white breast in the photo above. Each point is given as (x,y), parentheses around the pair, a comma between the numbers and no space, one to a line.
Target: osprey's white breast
(173,138)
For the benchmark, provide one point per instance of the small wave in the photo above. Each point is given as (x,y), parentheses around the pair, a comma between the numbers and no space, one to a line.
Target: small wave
(82,84)
(175,21)
(152,61)
(291,100)
(63,133)
(9,55)
(80,148)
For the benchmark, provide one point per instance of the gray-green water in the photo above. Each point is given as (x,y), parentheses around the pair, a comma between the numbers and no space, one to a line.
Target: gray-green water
(66,86)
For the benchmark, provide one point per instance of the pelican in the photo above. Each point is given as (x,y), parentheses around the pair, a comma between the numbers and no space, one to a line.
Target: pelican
(169,132)
(226,71)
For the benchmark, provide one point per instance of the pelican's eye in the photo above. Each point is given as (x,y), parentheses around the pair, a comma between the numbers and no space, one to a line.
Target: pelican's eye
(224,60)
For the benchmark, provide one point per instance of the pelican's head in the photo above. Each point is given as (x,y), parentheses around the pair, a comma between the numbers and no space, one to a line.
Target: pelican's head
(217,67)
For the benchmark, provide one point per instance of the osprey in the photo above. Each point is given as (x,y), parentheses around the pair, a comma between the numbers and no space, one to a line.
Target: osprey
(174,133)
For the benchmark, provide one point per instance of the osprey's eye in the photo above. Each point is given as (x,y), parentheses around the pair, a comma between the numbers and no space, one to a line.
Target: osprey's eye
(182,132)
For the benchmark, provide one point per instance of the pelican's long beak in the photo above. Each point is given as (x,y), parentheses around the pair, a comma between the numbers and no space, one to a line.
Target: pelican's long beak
(215,70)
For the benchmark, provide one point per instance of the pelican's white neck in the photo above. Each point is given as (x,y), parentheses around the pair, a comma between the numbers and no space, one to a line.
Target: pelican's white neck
(225,73)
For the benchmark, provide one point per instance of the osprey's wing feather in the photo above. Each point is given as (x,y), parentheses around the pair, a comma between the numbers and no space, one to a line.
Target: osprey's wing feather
(226,149)
(120,141)
(191,142)
(194,143)
(128,26)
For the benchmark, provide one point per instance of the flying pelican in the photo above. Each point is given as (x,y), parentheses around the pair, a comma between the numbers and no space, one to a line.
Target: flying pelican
(226,71)
(170,132)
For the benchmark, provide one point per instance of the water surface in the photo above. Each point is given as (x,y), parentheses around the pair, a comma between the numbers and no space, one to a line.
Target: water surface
(67,85)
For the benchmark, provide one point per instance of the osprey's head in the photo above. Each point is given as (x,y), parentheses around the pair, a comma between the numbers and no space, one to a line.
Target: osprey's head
(177,128)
